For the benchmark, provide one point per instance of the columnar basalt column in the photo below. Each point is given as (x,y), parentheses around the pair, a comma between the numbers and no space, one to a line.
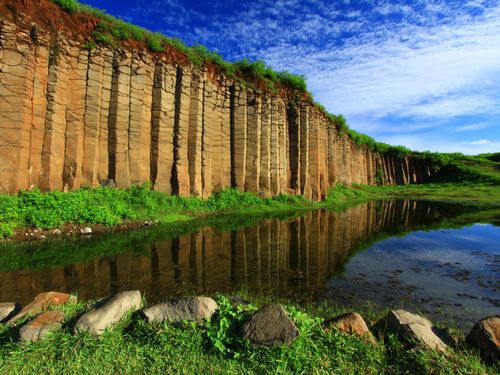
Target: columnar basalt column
(16,93)
(162,126)
(55,120)
(107,83)
(92,118)
(39,105)
(180,176)
(275,147)
(314,155)
(239,136)
(195,135)
(294,157)
(75,111)
(207,136)
(225,124)
(253,138)
(305,188)
(141,90)
(265,147)
(216,136)
(119,118)
(283,146)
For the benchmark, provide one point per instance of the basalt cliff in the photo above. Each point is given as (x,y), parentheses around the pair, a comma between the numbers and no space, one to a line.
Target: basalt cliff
(73,116)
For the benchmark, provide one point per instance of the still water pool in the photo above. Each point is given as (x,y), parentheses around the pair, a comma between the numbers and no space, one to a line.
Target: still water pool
(429,257)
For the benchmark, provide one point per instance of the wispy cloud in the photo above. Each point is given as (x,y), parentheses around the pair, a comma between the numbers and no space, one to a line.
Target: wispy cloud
(476,126)
(479,142)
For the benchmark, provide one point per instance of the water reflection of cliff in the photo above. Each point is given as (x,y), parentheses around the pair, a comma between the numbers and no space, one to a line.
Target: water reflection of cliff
(287,257)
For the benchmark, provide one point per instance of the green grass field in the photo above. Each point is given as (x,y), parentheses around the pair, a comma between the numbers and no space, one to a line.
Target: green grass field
(134,347)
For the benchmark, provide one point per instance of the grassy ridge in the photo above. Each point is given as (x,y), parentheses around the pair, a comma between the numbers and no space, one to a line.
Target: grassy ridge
(215,347)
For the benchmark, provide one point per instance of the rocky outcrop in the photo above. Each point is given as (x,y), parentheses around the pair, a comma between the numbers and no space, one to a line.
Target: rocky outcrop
(73,117)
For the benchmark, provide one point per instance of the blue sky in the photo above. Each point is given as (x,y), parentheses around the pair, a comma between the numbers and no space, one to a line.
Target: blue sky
(423,74)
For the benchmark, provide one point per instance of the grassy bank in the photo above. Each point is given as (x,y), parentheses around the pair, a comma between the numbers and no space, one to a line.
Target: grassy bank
(215,347)
(114,206)
(111,207)
(451,192)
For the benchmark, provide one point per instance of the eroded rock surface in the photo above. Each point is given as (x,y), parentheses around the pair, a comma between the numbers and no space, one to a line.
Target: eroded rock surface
(108,312)
(44,323)
(179,309)
(268,326)
(485,335)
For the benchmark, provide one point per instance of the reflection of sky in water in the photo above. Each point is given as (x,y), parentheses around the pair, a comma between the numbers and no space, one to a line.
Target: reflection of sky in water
(448,274)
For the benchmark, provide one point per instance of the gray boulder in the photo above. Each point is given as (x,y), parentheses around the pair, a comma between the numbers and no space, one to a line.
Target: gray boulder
(8,310)
(179,309)
(268,326)
(44,323)
(485,335)
(108,312)
(412,327)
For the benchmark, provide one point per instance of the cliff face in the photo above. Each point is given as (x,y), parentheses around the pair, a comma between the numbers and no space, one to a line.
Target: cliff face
(70,117)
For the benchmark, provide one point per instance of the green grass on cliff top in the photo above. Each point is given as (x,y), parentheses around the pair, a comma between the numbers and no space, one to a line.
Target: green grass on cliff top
(214,347)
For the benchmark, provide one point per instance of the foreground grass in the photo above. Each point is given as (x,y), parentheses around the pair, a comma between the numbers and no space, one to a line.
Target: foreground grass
(215,347)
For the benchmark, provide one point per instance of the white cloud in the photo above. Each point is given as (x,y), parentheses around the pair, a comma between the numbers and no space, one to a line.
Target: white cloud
(476,127)
(480,142)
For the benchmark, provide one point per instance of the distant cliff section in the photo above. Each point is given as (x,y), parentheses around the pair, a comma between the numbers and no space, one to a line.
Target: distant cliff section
(74,115)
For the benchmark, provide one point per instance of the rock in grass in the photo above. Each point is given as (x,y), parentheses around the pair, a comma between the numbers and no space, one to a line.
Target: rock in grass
(86,230)
(412,327)
(107,312)
(485,335)
(8,310)
(268,326)
(41,302)
(183,308)
(351,323)
(44,323)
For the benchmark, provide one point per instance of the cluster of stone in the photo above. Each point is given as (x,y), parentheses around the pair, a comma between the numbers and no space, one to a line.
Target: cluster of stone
(266,327)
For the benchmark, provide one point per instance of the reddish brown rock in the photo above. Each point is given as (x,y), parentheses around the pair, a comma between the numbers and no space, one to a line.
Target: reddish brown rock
(485,335)
(41,302)
(44,323)
(351,323)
